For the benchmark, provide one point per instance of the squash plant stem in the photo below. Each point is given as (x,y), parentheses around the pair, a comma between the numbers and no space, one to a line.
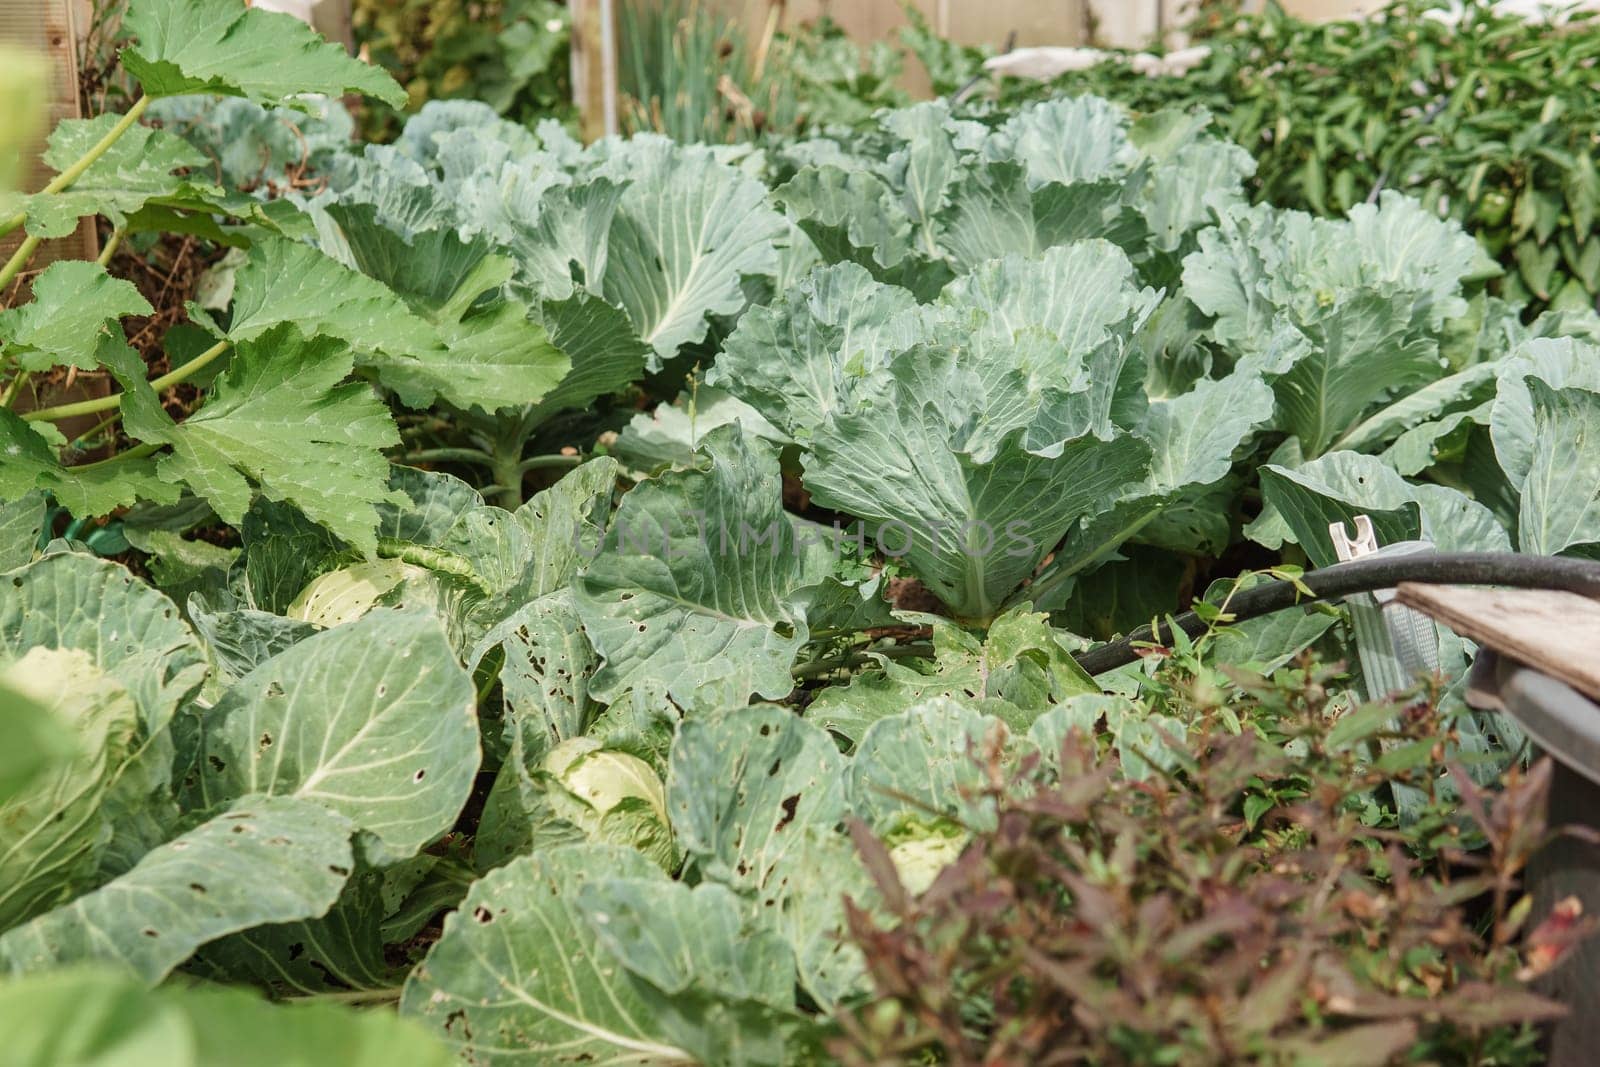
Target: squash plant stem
(114,401)
(136,452)
(73,173)
(25,250)
(18,260)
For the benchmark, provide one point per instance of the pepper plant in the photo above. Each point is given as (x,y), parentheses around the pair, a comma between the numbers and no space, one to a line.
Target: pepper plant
(1483,114)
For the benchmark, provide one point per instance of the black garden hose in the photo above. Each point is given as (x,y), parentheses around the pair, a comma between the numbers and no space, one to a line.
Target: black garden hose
(1364,576)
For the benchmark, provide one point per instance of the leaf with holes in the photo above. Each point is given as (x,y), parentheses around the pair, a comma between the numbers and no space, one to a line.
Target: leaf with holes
(374,720)
(721,983)
(263,860)
(694,586)
(925,760)
(743,786)
(518,975)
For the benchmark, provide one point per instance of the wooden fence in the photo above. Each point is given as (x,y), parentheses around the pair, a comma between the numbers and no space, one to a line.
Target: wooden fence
(1128,23)
(49,27)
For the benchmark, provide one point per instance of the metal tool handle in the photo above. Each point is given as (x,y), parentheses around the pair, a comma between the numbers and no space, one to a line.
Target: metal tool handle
(1396,644)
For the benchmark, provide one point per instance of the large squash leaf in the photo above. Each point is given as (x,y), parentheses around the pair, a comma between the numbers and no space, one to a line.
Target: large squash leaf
(281,418)
(136,171)
(75,304)
(32,464)
(284,281)
(489,353)
(227,48)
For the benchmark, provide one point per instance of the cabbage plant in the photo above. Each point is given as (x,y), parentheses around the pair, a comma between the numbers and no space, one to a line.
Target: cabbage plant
(456,661)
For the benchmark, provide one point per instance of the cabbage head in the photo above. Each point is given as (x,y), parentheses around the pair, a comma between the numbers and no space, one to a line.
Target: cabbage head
(611,796)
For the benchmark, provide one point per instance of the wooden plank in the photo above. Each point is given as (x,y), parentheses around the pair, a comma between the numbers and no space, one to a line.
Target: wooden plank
(1332,9)
(1036,22)
(594,66)
(50,28)
(1554,632)
(1120,24)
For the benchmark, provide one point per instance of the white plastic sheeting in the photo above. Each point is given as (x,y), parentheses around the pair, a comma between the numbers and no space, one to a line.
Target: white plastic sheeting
(1049,62)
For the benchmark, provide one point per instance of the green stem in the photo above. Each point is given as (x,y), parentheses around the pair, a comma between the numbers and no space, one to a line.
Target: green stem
(539,463)
(136,452)
(14,390)
(18,260)
(73,173)
(88,435)
(356,996)
(505,467)
(114,401)
(847,660)
(1047,582)
(112,244)
(489,682)
(450,455)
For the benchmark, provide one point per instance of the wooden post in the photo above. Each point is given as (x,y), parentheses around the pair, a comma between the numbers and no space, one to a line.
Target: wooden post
(594,67)
(331,18)
(1127,25)
(48,27)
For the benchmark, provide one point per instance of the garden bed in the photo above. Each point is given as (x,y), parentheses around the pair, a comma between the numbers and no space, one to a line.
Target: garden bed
(624,602)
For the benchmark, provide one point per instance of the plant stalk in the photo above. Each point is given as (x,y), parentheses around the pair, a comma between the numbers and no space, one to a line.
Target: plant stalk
(73,173)
(136,452)
(382,995)
(112,244)
(540,463)
(14,390)
(859,657)
(1056,574)
(450,455)
(505,468)
(114,401)
(18,260)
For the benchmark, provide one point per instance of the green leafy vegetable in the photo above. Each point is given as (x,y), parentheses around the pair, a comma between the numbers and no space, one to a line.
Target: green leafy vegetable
(218,46)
